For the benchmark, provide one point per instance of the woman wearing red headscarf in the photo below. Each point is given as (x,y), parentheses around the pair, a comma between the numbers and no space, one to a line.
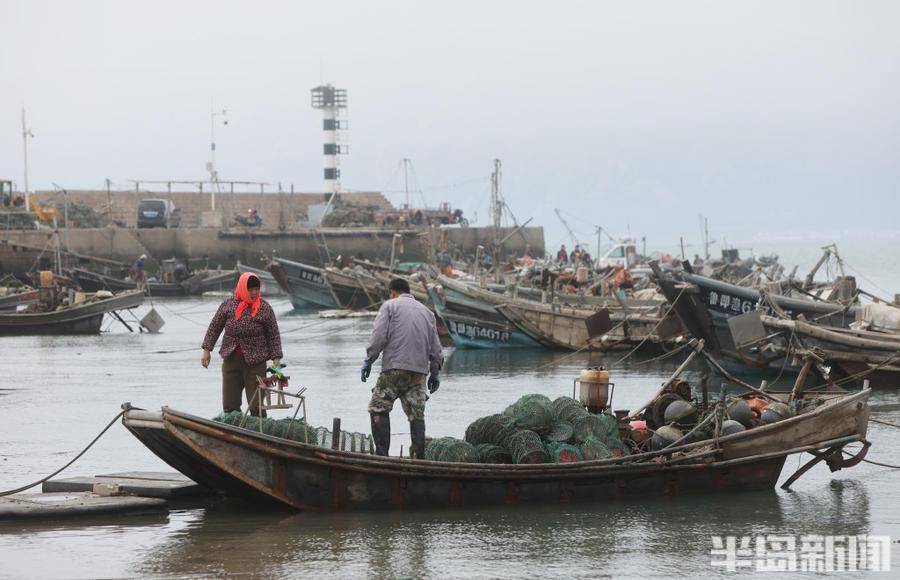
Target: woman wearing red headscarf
(251,338)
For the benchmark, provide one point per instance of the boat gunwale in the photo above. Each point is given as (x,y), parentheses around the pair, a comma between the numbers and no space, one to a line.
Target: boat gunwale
(337,458)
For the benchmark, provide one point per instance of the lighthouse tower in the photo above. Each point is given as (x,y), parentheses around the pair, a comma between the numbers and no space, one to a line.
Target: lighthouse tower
(331,101)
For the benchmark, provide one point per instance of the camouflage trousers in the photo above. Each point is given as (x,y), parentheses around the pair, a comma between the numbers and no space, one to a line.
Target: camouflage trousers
(395,384)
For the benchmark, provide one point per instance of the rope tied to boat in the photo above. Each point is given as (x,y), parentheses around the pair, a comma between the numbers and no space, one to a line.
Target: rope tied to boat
(655,328)
(125,408)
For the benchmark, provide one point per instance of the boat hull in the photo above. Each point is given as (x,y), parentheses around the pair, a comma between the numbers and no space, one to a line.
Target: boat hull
(195,285)
(80,319)
(470,332)
(249,464)
(305,285)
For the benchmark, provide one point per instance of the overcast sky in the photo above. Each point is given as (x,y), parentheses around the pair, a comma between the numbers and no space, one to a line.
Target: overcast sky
(765,116)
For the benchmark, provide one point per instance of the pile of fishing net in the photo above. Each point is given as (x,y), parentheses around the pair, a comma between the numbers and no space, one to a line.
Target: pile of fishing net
(535,429)
(451,450)
(297,430)
(532,412)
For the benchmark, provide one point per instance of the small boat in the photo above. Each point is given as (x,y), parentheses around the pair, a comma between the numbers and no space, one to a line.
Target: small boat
(82,318)
(308,476)
(355,289)
(270,287)
(21,297)
(305,285)
(468,331)
(196,284)
(568,328)
(708,308)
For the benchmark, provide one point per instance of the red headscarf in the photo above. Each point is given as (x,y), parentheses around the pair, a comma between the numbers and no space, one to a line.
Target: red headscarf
(242,293)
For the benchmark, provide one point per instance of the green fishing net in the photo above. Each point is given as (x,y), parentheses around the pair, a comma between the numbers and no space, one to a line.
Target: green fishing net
(489,453)
(283,428)
(593,448)
(562,403)
(294,431)
(493,429)
(571,413)
(526,447)
(560,432)
(533,412)
(564,453)
(452,450)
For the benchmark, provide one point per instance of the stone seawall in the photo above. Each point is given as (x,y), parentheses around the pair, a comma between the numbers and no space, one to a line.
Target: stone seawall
(227,247)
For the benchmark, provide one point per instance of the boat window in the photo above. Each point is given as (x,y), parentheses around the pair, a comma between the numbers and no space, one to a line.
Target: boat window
(618,252)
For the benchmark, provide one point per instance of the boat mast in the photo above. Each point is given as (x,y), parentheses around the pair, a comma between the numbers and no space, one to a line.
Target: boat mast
(496,217)
(406,181)
(26,133)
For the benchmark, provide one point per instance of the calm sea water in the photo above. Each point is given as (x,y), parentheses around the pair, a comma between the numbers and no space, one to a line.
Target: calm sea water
(57,392)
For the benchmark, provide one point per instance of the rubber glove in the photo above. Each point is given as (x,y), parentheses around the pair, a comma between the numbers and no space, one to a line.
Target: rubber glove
(433,382)
(366,370)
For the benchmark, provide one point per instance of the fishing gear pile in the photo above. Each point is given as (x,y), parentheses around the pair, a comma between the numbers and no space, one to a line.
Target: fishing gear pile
(297,430)
(535,429)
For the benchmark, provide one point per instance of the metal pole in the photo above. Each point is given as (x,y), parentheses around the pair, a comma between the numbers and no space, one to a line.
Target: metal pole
(26,132)
(212,153)
(406,181)
(108,201)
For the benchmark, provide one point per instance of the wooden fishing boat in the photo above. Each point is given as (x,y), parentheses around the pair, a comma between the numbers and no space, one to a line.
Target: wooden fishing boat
(709,308)
(84,318)
(863,354)
(469,331)
(305,285)
(22,298)
(418,286)
(568,328)
(270,287)
(196,284)
(355,290)
(258,467)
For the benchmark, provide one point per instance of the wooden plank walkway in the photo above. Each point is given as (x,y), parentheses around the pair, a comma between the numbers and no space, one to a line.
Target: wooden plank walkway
(55,505)
(135,483)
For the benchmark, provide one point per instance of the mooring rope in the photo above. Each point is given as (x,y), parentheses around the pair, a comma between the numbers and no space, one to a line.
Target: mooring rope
(655,328)
(74,459)
(894,425)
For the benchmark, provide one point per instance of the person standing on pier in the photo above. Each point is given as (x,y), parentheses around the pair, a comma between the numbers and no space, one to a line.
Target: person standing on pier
(138,272)
(251,338)
(406,337)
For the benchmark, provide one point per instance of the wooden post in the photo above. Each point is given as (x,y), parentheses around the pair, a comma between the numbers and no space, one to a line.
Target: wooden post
(796,392)
(336,434)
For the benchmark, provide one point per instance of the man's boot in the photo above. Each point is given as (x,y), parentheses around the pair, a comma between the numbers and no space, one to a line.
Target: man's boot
(381,432)
(417,433)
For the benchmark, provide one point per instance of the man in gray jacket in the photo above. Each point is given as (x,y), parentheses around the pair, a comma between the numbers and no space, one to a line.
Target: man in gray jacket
(406,337)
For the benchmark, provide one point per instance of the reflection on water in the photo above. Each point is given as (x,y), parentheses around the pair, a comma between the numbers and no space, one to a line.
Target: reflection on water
(86,378)
(655,536)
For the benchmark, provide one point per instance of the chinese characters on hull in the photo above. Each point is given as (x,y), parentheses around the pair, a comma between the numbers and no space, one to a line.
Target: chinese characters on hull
(474,331)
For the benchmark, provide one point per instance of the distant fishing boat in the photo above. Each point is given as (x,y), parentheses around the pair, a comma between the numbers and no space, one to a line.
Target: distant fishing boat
(20,298)
(568,328)
(468,331)
(305,285)
(776,327)
(84,318)
(195,285)
(355,290)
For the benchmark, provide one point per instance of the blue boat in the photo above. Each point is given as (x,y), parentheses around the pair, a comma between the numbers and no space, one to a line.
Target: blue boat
(305,285)
(475,324)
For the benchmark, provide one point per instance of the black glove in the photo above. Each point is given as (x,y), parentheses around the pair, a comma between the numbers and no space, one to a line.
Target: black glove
(366,370)
(433,382)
